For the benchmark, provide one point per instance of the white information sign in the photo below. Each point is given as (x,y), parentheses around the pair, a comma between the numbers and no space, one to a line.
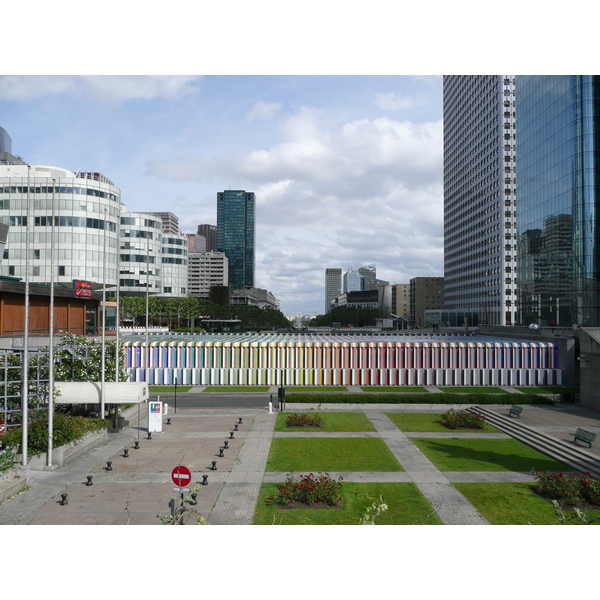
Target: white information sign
(154,415)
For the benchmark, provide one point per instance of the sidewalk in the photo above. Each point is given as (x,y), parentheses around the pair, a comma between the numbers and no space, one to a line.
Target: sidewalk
(138,488)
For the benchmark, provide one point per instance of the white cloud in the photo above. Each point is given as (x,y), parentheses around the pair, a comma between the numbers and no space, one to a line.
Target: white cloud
(393,101)
(263,111)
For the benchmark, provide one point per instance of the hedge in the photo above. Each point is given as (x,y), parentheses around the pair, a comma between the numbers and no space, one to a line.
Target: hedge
(413,398)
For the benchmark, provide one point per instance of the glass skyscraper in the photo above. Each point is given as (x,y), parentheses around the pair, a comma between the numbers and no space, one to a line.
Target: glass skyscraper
(558,129)
(235,235)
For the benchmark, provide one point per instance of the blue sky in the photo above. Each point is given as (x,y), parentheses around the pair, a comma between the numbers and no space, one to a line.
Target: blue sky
(347,170)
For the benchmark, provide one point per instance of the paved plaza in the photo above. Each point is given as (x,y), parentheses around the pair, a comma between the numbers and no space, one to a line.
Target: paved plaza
(138,487)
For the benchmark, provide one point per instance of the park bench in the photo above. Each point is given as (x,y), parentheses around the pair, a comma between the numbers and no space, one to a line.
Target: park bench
(515,410)
(584,436)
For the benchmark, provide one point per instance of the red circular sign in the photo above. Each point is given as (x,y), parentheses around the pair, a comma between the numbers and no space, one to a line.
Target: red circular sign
(181,476)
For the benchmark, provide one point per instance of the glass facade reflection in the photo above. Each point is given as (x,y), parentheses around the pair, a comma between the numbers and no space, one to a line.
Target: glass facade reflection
(557,134)
(235,235)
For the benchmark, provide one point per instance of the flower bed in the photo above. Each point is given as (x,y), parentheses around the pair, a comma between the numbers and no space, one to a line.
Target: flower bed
(310,491)
(572,489)
(462,420)
(296,420)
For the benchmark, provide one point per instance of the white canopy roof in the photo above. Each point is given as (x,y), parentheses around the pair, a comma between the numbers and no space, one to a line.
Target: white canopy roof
(83,392)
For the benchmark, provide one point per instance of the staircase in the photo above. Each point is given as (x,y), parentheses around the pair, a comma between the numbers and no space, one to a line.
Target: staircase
(573,455)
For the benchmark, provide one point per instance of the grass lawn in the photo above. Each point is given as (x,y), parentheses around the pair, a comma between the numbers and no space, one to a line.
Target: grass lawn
(330,454)
(429,422)
(405,389)
(456,454)
(331,422)
(164,389)
(548,390)
(473,390)
(315,388)
(513,504)
(236,389)
(407,506)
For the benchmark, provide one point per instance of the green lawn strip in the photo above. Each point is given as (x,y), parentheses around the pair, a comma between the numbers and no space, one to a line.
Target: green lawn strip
(420,422)
(473,390)
(236,388)
(395,389)
(406,506)
(462,454)
(292,389)
(420,398)
(330,454)
(513,504)
(548,390)
(168,389)
(331,422)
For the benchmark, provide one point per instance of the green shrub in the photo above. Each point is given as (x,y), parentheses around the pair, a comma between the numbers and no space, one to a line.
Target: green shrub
(65,429)
(308,490)
(462,419)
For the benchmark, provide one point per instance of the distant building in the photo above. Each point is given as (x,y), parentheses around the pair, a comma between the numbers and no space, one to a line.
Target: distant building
(209,233)
(426,293)
(369,277)
(401,300)
(254,297)
(235,235)
(5,142)
(333,286)
(206,270)
(352,281)
(169,220)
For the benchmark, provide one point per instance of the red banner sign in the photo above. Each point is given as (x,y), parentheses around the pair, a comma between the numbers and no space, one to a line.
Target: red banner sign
(83,288)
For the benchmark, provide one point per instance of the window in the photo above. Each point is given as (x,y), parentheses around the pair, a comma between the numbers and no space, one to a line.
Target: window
(61,271)
(11,270)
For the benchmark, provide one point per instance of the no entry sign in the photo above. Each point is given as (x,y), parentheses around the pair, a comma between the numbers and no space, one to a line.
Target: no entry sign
(181,476)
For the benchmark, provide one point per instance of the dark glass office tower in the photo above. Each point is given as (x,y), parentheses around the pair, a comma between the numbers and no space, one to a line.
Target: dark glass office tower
(558,154)
(235,235)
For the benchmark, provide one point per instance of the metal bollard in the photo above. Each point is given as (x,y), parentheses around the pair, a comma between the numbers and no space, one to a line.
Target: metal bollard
(149,435)
(240,420)
(225,444)
(126,453)
(236,427)
(231,435)
(204,480)
(64,500)
(89,480)
(214,465)
(194,496)
(168,421)
(109,465)
(221,455)
(137,445)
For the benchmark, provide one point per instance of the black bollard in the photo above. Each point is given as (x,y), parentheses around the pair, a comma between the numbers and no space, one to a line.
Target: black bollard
(64,500)
(214,465)
(149,435)
(137,445)
(126,453)
(109,466)
(168,421)
(194,496)
(240,420)
(236,427)
(89,480)
(204,480)
(221,455)
(226,444)
(231,435)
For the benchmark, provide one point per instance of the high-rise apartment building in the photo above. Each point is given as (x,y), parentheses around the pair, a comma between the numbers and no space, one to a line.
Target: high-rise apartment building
(401,300)
(235,235)
(209,233)
(558,149)
(206,270)
(333,286)
(426,293)
(169,220)
(480,196)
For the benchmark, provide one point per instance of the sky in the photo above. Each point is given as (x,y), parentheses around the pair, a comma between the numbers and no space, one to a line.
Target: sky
(347,170)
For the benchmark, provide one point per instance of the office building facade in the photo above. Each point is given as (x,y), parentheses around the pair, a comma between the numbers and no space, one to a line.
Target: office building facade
(480,196)
(206,270)
(333,286)
(235,235)
(209,233)
(426,293)
(558,148)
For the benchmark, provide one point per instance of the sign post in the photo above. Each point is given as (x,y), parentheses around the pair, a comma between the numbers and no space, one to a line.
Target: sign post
(154,415)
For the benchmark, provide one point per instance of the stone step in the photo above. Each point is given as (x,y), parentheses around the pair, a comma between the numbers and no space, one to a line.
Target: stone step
(570,454)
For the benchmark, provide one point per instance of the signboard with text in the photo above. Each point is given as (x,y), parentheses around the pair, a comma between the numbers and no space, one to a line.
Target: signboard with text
(83,289)
(154,415)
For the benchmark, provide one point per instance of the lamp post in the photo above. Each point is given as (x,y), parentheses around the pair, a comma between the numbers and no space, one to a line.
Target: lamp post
(25,388)
(103,360)
(51,342)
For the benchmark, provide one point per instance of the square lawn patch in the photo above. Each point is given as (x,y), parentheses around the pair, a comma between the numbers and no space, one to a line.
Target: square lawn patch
(429,422)
(332,421)
(513,504)
(406,506)
(330,454)
(462,454)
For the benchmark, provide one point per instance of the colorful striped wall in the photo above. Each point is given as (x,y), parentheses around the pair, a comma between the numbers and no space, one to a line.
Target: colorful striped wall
(450,363)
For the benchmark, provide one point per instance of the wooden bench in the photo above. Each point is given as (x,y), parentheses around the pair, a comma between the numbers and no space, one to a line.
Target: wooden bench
(584,436)
(515,410)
